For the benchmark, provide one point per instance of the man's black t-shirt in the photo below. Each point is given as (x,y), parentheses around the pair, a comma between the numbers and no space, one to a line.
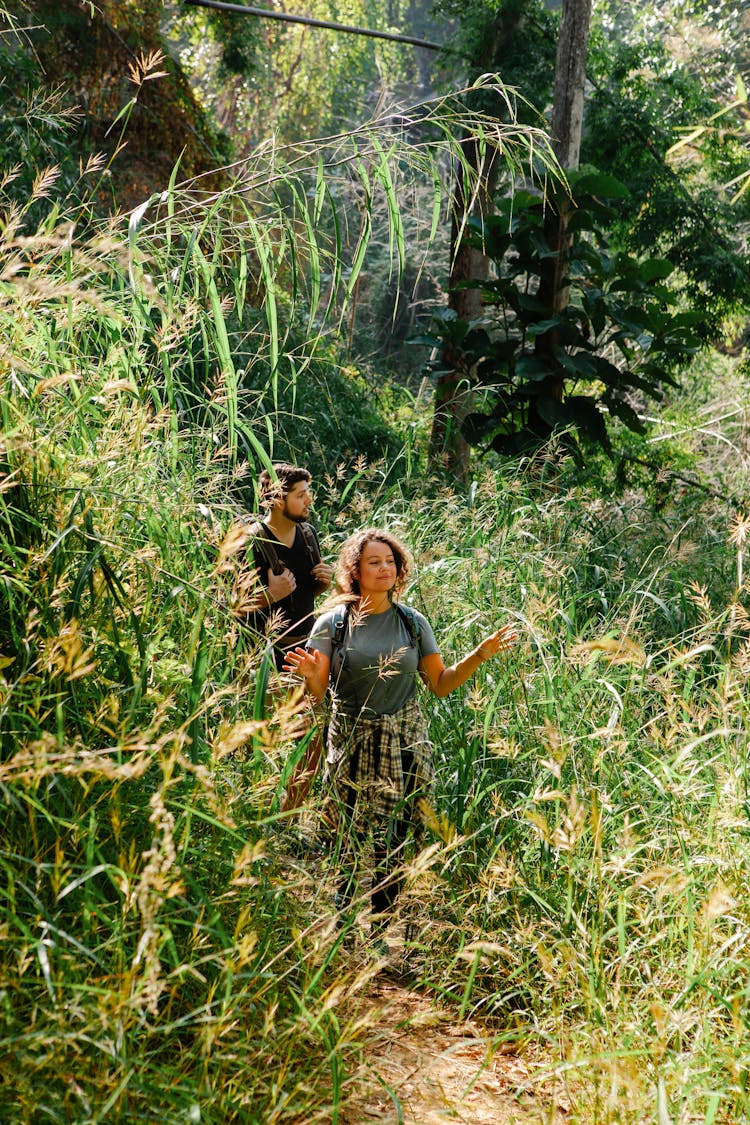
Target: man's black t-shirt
(293,614)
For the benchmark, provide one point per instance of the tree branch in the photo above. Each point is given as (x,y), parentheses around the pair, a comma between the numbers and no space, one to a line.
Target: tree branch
(265,13)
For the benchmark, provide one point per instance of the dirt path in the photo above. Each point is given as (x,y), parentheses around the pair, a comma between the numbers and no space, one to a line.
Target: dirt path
(421,1065)
(421,1068)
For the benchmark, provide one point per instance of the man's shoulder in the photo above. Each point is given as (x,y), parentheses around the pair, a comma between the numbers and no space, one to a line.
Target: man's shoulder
(310,537)
(262,542)
(258,528)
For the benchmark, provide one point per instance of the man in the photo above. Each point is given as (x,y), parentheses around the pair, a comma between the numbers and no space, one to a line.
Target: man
(286,554)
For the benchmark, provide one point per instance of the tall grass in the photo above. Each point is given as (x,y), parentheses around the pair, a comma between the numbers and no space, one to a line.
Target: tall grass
(590,891)
(164,952)
(162,948)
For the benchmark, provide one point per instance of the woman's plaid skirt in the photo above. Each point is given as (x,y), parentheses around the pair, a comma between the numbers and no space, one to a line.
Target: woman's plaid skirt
(373,764)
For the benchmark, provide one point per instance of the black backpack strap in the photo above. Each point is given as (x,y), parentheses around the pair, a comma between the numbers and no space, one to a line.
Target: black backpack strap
(310,537)
(339,624)
(263,546)
(409,619)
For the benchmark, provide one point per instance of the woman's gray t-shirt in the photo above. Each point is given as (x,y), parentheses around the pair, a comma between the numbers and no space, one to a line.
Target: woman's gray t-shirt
(376,665)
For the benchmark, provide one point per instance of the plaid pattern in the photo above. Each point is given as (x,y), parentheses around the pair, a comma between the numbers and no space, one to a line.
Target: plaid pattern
(365,765)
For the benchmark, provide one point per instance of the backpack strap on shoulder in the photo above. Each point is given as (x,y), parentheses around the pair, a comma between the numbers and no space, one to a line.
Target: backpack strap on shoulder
(310,537)
(339,623)
(411,624)
(263,546)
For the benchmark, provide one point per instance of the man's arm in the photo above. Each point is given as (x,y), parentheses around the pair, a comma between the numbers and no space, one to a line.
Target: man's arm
(265,595)
(323,575)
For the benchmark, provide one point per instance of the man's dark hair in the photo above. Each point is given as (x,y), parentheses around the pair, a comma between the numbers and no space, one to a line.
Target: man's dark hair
(286,476)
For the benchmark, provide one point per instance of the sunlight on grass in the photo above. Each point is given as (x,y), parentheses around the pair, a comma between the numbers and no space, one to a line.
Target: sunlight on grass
(169,945)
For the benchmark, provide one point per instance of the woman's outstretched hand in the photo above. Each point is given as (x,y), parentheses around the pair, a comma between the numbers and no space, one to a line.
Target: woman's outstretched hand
(312,666)
(498,642)
(303,662)
(441,680)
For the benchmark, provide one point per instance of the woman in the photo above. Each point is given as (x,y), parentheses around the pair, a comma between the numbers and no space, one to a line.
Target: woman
(368,649)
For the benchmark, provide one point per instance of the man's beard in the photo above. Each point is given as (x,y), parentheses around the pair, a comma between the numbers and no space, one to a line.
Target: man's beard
(291,518)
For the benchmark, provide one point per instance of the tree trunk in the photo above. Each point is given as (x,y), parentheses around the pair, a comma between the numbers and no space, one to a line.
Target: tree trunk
(567,125)
(566,128)
(453,394)
(570,78)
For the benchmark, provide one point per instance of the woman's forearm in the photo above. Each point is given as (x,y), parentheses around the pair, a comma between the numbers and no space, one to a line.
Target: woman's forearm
(457,674)
(316,677)
(316,687)
(442,680)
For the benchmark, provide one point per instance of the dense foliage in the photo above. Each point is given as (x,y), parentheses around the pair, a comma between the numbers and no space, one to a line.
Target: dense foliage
(646,99)
(618,340)
(169,945)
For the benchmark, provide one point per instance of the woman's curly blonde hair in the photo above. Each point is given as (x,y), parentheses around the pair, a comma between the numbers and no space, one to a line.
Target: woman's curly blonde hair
(347,567)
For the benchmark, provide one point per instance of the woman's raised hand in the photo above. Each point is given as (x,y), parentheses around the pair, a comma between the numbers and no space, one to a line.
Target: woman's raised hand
(313,666)
(302,661)
(498,642)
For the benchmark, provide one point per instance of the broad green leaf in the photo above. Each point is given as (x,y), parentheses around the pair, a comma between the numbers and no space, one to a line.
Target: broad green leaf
(533,367)
(598,183)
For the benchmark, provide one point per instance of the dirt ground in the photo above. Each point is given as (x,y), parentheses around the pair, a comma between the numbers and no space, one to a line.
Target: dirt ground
(422,1066)
(419,1073)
